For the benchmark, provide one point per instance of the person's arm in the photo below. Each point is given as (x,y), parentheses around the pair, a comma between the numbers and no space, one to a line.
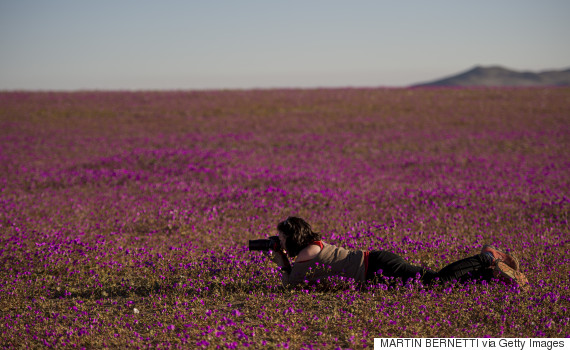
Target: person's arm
(280,258)
(290,277)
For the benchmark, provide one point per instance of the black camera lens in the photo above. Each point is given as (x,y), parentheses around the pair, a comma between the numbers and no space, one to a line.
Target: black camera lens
(265,244)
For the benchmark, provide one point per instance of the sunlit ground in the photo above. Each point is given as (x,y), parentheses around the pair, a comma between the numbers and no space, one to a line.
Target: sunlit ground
(124,217)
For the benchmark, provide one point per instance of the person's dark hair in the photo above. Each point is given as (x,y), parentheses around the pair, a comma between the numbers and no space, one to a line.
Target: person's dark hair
(298,233)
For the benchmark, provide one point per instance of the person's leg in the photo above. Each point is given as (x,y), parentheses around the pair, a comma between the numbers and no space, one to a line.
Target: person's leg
(485,266)
(386,264)
(474,267)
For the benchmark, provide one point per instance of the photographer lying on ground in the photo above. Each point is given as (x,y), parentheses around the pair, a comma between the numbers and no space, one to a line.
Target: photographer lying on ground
(316,261)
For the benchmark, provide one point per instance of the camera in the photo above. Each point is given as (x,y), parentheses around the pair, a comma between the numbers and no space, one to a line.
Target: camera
(265,244)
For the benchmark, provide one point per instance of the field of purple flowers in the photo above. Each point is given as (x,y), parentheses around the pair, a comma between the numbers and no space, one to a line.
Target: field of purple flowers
(125,216)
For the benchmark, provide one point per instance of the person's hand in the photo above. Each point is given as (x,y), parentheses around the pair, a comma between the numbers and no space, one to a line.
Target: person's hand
(280,258)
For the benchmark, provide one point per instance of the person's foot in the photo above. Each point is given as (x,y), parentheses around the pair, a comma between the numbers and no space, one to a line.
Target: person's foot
(498,254)
(507,274)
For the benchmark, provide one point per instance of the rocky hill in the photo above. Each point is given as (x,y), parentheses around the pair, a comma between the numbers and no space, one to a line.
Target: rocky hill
(499,76)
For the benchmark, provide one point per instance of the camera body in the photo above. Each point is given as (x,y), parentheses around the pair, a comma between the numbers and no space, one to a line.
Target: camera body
(272,243)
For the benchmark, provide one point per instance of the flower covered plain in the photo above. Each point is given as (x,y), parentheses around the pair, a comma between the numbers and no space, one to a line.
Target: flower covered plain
(125,216)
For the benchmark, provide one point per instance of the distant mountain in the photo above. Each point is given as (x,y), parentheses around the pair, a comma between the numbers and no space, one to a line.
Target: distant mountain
(499,76)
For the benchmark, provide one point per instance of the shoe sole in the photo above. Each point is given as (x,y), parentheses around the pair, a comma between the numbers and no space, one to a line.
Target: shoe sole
(504,272)
(508,259)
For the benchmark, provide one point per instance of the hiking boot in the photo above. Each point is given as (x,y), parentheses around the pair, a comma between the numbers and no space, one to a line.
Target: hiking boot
(507,274)
(498,254)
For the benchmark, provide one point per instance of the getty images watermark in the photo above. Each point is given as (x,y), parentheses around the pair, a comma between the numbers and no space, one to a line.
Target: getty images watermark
(473,343)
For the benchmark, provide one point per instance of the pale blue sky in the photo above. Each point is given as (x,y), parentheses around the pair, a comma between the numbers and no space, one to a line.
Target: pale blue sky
(168,44)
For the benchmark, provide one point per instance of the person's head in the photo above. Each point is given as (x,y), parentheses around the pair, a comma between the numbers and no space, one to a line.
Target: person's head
(297,234)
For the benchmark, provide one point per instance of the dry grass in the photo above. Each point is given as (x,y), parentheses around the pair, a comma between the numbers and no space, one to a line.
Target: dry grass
(112,202)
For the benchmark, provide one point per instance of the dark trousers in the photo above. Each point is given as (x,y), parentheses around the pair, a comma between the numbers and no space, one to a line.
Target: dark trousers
(382,264)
